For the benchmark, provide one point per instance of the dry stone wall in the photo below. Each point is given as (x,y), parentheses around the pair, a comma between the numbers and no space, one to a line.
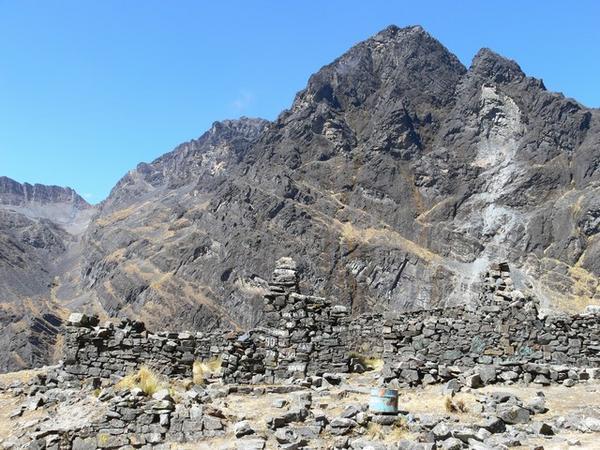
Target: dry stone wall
(116,349)
(503,338)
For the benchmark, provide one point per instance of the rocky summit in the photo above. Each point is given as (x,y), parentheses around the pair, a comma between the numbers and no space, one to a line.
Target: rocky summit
(395,179)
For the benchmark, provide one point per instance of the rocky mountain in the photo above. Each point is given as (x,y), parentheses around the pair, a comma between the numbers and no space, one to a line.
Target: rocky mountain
(40,229)
(394,179)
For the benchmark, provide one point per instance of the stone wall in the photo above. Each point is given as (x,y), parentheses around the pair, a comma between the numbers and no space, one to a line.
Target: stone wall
(306,335)
(117,349)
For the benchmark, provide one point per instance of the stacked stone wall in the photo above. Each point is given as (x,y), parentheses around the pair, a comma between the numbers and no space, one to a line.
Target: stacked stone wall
(306,335)
(117,349)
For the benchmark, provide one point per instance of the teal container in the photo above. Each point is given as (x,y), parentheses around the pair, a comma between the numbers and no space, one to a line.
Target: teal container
(383,401)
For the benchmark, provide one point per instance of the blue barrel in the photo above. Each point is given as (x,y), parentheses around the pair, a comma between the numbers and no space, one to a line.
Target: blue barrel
(383,401)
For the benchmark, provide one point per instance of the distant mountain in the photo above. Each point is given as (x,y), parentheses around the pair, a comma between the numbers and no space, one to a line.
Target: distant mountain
(40,230)
(394,179)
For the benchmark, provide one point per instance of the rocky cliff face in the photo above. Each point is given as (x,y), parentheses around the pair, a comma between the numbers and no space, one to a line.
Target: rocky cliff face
(40,229)
(394,179)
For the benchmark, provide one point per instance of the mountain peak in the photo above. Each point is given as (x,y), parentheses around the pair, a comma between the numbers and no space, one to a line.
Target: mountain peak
(247,127)
(406,60)
(491,65)
(396,32)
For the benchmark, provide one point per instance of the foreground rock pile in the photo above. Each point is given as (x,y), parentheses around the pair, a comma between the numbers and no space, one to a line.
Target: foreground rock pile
(329,412)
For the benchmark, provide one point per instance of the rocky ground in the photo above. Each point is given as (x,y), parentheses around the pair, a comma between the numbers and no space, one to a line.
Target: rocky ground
(41,409)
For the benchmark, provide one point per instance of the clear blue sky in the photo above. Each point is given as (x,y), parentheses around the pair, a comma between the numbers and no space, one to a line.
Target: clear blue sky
(90,88)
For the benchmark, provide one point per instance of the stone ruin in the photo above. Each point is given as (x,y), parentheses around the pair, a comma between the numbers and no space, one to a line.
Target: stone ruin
(300,354)
(501,339)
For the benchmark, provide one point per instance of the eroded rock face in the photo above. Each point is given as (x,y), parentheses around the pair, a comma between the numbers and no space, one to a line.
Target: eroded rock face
(394,179)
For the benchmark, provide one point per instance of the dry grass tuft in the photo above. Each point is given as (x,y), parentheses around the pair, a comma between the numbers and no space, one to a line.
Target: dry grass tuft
(145,379)
(202,370)
(368,362)
(374,431)
(455,406)
(393,433)
(398,430)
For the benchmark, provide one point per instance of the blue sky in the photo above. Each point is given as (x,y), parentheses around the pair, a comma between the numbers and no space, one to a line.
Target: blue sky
(88,89)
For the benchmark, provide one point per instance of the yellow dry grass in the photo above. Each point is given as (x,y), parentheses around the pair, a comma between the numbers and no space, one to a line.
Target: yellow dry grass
(394,433)
(385,236)
(145,379)
(117,256)
(161,281)
(455,406)
(202,370)
(570,292)
(117,216)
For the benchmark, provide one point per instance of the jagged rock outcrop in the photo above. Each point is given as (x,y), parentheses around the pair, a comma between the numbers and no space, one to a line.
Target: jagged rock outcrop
(394,179)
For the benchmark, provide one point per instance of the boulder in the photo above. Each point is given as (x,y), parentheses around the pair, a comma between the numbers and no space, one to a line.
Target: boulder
(451,444)
(542,428)
(243,428)
(512,414)
(78,320)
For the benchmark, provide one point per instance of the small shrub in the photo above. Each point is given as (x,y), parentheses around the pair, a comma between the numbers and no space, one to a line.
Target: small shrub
(461,406)
(448,404)
(202,370)
(374,431)
(144,378)
(398,431)
(394,433)
(455,406)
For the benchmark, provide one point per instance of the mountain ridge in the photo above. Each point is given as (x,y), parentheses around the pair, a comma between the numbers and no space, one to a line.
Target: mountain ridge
(395,178)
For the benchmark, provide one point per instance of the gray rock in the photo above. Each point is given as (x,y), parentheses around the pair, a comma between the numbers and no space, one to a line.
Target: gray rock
(493,425)
(384,419)
(78,319)
(512,414)
(105,440)
(542,428)
(279,403)
(243,428)
(350,411)
(404,444)
(250,444)
(84,444)
(441,431)
(451,444)
(537,405)
(451,387)
(473,381)
(487,374)
(162,395)
(464,434)
(367,444)
(286,436)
